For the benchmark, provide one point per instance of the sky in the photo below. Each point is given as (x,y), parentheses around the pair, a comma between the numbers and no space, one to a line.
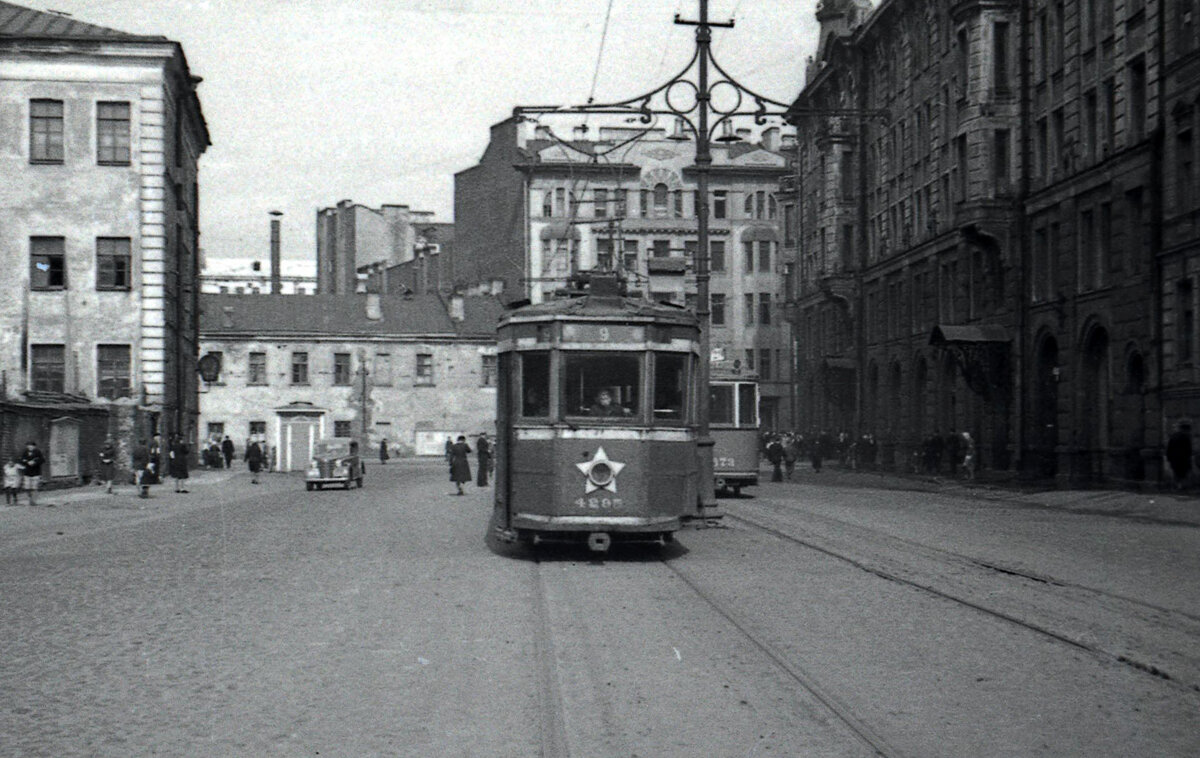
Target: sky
(309,102)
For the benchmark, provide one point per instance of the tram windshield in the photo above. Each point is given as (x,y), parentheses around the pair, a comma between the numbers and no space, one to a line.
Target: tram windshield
(602,385)
(670,386)
(733,404)
(535,384)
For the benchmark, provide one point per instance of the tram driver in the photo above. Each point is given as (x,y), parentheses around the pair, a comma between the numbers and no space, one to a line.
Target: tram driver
(604,406)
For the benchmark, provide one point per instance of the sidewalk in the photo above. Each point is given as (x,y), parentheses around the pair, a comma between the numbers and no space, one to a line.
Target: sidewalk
(1165,507)
(87,493)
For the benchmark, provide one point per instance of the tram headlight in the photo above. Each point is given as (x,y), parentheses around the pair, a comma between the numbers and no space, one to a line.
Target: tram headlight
(601,474)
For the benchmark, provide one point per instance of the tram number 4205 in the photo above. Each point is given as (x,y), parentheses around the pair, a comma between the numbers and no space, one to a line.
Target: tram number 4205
(599,503)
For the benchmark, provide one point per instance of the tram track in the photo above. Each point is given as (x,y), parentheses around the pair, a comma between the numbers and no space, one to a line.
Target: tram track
(1148,638)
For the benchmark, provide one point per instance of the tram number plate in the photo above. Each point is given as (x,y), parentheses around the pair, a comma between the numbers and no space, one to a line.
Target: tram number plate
(599,503)
(720,462)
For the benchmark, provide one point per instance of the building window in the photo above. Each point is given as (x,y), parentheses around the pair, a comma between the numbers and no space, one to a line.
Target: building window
(644,203)
(764,308)
(1137,98)
(487,371)
(748,206)
(660,200)
(764,255)
(717,309)
(383,370)
(547,204)
(600,203)
(677,195)
(1000,160)
(1186,325)
(112,134)
(342,428)
(560,202)
(1042,148)
(749,364)
(341,369)
(257,369)
(764,365)
(748,257)
(216,430)
(299,368)
(112,371)
(716,255)
(629,258)
(748,311)
(424,374)
(113,267)
(661,248)
(789,224)
(720,204)
(47,263)
(1087,251)
(258,429)
(46,131)
(47,368)
(1183,171)
(1000,72)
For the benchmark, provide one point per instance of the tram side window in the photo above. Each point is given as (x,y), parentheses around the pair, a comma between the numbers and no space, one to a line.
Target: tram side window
(535,384)
(747,405)
(720,406)
(670,385)
(602,385)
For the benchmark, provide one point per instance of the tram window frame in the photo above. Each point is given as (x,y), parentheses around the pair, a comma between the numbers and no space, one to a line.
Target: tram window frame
(722,410)
(747,398)
(671,397)
(540,376)
(586,373)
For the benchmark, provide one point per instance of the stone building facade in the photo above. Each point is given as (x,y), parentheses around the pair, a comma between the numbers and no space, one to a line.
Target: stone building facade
(295,369)
(99,150)
(355,242)
(979,192)
(538,208)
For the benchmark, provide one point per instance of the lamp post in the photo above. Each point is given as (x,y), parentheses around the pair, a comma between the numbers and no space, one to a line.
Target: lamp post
(689,98)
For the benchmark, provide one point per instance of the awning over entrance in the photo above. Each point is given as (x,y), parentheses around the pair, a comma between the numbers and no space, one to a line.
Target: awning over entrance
(948,334)
(300,408)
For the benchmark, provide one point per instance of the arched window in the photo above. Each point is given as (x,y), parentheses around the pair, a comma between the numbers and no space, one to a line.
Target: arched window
(660,200)
(772,207)
(748,206)
(548,204)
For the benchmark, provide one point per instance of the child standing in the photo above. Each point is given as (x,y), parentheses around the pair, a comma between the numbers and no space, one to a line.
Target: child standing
(12,480)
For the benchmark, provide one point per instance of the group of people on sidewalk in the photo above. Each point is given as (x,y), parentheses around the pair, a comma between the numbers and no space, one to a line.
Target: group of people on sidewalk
(782,451)
(23,473)
(457,458)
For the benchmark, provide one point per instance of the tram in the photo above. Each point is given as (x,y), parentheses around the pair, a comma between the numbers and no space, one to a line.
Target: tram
(733,423)
(596,418)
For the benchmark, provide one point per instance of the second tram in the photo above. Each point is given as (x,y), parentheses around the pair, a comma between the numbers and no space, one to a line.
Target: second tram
(733,422)
(596,420)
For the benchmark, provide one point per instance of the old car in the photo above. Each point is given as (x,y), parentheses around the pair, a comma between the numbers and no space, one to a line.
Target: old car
(335,461)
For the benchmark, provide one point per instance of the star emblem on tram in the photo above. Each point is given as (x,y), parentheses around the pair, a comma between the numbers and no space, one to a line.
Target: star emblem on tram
(601,472)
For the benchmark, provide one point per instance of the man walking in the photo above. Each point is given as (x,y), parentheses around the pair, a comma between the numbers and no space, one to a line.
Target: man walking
(142,466)
(254,459)
(227,451)
(108,461)
(31,465)
(1179,454)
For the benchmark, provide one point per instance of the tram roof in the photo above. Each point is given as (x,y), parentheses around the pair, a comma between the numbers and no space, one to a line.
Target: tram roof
(601,308)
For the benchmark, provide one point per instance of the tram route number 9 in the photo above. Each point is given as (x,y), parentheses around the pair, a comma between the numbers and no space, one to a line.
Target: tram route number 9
(721,462)
(599,503)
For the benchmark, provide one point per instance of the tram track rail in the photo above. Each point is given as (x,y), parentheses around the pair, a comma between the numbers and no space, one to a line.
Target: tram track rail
(1185,625)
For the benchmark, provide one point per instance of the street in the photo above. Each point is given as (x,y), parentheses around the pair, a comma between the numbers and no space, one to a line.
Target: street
(835,616)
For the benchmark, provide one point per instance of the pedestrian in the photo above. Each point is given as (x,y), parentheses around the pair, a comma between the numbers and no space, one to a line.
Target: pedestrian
(254,459)
(227,451)
(1179,453)
(449,449)
(966,449)
(775,457)
(31,470)
(12,479)
(383,451)
(790,453)
(108,462)
(156,458)
(142,466)
(483,449)
(179,462)
(460,464)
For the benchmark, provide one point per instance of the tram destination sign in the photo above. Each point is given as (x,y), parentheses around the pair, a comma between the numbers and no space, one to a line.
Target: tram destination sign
(603,333)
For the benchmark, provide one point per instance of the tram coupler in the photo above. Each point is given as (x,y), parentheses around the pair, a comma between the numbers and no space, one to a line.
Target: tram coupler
(599,542)
(506,535)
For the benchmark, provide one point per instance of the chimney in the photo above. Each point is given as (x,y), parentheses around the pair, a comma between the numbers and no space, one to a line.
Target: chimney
(276,277)
(374,308)
(770,139)
(457,312)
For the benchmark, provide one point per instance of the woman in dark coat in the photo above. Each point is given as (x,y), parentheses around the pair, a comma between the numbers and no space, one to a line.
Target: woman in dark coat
(383,451)
(254,459)
(178,466)
(460,464)
(483,449)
